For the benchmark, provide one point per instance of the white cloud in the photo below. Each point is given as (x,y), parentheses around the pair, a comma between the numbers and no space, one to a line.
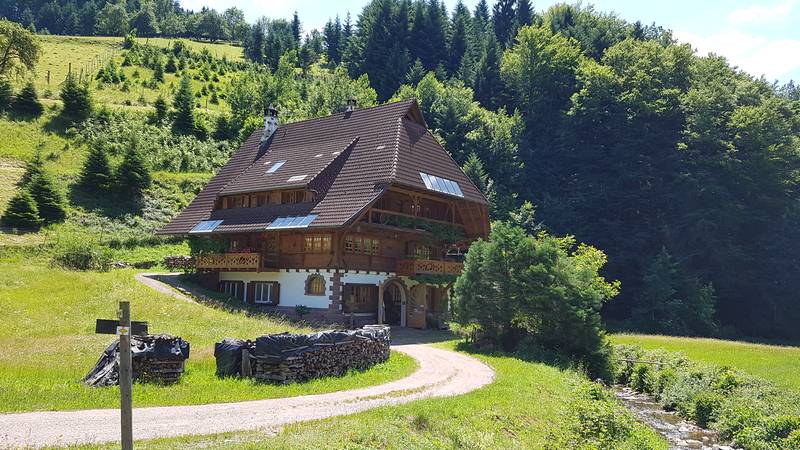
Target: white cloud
(757,55)
(761,13)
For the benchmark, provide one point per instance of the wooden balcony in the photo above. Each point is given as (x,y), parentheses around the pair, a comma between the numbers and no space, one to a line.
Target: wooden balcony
(228,261)
(410,267)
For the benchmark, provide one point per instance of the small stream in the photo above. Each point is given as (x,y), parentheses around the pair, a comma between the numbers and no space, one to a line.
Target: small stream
(679,433)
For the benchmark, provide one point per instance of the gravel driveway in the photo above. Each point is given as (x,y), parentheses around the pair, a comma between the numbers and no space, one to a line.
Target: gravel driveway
(441,373)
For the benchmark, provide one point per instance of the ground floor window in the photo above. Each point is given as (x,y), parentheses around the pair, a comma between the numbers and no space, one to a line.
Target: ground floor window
(360,298)
(234,289)
(264,292)
(315,285)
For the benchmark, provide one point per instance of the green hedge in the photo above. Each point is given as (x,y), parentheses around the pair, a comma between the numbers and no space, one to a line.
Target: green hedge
(747,410)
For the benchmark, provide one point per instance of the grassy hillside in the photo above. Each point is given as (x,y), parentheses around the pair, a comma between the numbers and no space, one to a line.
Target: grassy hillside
(49,343)
(778,364)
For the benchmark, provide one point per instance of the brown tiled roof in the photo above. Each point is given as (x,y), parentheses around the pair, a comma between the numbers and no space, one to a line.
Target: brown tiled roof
(379,146)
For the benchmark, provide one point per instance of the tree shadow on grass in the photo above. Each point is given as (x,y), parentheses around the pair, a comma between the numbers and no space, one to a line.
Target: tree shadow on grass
(109,205)
(528,353)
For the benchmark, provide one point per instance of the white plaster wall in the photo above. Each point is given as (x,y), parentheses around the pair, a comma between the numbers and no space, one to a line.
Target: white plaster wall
(293,286)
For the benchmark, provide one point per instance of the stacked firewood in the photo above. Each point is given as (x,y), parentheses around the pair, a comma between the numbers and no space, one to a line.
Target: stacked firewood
(179,262)
(326,354)
(158,371)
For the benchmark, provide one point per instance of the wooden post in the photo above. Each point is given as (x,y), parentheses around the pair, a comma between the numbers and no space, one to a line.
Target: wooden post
(125,377)
(381,306)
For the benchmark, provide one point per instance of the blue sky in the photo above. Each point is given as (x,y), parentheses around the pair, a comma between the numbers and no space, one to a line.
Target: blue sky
(760,36)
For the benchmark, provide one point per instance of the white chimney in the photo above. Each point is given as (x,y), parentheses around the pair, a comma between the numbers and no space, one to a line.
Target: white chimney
(351,104)
(270,123)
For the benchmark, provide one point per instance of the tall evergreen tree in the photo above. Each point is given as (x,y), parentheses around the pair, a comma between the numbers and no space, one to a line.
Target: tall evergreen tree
(183,102)
(76,98)
(481,19)
(96,173)
(161,110)
(49,201)
(524,14)
(461,29)
(488,83)
(21,212)
(27,101)
(503,20)
(33,169)
(158,70)
(333,36)
(296,29)
(473,168)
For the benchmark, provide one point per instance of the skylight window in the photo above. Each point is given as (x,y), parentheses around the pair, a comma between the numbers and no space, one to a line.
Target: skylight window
(206,226)
(443,185)
(296,178)
(292,221)
(276,166)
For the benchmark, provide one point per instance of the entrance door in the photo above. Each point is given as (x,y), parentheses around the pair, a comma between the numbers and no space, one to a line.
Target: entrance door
(417,306)
(392,301)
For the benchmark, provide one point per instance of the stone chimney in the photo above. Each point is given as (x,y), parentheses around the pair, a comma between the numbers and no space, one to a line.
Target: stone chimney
(351,104)
(270,123)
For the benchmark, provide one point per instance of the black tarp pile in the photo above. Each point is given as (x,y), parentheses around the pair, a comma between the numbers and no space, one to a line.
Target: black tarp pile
(156,358)
(285,357)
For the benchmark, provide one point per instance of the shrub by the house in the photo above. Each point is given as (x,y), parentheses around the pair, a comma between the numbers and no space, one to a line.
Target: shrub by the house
(543,290)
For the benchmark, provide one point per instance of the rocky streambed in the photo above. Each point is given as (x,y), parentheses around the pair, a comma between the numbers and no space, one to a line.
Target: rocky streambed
(679,433)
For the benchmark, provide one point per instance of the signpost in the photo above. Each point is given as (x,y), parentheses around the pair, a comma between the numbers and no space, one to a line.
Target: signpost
(124,328)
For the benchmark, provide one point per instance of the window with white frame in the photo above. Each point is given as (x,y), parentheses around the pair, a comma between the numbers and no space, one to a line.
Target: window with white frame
(264,292)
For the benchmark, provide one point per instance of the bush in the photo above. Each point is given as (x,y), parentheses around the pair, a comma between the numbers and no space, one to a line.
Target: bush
(27,101)
(80,254)
(543,289)
(21,212)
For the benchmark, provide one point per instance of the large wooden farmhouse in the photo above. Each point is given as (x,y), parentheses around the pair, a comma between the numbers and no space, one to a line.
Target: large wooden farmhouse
(360,216)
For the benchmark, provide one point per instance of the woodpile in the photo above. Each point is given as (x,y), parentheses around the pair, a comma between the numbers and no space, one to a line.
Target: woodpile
(156,358)
(289,358)
(184,263)
(158,371)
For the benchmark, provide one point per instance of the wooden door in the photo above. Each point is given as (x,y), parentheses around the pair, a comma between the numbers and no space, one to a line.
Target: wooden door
(416,307)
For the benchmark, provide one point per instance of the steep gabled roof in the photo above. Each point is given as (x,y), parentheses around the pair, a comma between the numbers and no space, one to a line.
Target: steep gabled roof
(361,153)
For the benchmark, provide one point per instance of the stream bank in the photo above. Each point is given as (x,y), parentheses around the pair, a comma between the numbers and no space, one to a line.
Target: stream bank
(679,433)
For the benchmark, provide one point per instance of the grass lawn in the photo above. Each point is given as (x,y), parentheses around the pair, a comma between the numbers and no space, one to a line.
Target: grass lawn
(49,344)
(779,364)
(528,406)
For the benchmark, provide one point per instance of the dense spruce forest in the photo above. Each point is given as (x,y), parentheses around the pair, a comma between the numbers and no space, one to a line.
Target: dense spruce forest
(680,167)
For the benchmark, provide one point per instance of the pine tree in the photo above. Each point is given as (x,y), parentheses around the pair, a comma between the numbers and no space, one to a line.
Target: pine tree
(461,30)
(184,108)
(171,66)
(6,94)
(76,98)
(524,14)
(158,71)
(96,171)
(132,176)
(473,168)
(488,85)
(503,19)
(21,212)
(333,35)
(161,110)
(49,201)
(481,18)
(33,169)
(27,101)
(296,29)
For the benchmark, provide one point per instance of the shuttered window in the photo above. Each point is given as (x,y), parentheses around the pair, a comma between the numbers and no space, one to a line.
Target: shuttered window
(264,292)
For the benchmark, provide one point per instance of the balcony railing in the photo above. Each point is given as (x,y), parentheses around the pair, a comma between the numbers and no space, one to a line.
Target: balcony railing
(228,261)
(409,267)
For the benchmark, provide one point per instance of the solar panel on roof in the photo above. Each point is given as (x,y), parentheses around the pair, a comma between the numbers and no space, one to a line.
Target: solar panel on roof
(443,185)
(206,226)
(276,166)
(292,221)
(296,178)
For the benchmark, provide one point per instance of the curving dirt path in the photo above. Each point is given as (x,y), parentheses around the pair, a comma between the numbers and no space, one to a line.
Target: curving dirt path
(441,373)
